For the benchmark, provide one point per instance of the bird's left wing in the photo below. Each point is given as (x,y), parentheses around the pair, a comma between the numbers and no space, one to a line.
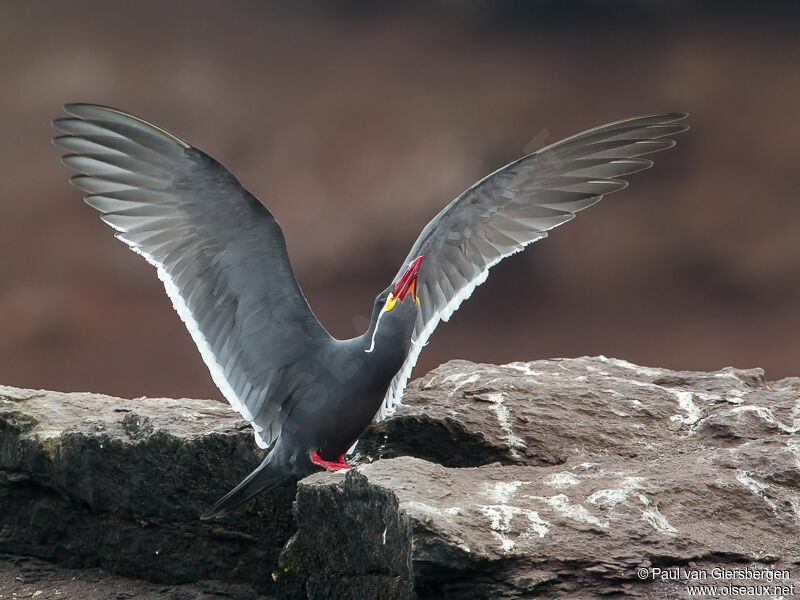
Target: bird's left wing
(218,250)
(515,206)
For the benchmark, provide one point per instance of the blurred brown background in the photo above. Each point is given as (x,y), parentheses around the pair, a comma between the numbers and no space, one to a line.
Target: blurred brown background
(355,122)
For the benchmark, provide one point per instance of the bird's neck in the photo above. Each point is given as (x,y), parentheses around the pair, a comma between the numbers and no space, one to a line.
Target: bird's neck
(387,341)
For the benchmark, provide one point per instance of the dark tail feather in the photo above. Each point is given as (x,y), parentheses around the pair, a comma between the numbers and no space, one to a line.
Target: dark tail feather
(265,476)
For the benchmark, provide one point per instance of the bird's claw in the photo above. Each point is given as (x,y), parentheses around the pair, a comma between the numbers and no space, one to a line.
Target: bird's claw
(328,465)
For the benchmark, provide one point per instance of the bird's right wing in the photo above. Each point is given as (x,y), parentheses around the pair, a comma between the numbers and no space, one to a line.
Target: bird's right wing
(219,252)
(515,206)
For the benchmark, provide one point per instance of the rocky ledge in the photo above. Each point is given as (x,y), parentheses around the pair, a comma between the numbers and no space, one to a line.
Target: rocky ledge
(572,478)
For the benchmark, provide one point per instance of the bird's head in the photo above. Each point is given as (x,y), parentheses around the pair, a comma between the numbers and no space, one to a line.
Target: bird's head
(395,310)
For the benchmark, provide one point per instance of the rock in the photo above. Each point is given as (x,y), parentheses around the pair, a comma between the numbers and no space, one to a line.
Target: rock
(570,478)
(92,481)
(462,414)
(576,475)
(26,577)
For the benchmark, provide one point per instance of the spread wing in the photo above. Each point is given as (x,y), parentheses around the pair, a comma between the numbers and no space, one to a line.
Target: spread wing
(219,252)
(516,206)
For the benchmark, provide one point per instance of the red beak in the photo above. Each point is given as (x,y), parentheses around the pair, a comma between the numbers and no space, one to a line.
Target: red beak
(408,281)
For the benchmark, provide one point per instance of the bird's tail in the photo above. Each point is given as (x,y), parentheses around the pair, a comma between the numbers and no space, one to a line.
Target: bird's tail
(268,474)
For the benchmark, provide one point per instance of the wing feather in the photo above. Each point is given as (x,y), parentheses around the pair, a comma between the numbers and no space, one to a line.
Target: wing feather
(516,206)
(219,252)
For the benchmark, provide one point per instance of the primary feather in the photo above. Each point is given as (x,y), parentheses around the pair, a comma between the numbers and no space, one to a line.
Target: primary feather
(516,206)
(219,252)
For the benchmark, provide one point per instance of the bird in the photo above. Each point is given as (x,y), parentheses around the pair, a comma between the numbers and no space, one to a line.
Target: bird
(222,258)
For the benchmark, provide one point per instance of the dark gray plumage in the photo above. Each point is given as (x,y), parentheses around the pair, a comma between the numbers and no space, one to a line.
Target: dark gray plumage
(223,261)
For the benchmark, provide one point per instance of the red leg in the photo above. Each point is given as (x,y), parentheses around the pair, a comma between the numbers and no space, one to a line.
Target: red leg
(328,465)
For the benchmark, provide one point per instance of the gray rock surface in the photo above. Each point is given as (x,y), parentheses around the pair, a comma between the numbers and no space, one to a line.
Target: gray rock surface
(601,468)
(87,480)
(28,577)
(558,478)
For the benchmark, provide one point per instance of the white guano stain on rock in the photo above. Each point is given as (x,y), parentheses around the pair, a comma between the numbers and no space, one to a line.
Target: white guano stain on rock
(653,516)
(639,370)
(562,479)
(758,488)
(766,415)
(587,466)
(793,446)
(560,503)
(685,399)
(617,394)
(607,498)
(726,375)
(500,517)
(502,491)
(658,521)
(734,396)
(686,402)
(526,369)
(504,418)
(460,380)
(426,510)
(632,482)
(705,396)
(576,512)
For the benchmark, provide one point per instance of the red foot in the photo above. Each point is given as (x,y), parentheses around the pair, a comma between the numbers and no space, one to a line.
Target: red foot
(328,465)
